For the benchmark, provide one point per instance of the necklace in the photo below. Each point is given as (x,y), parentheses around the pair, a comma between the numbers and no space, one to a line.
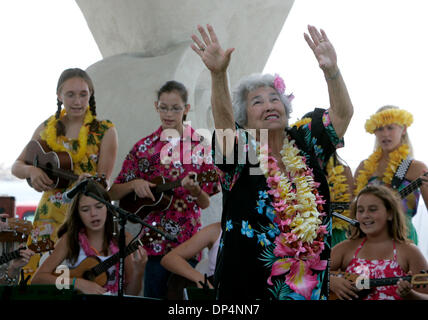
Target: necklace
(298,213)
(50,136)
(371,164)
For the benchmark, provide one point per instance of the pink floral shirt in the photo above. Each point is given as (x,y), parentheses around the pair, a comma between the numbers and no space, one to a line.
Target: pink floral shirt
(378,269)
(189,153)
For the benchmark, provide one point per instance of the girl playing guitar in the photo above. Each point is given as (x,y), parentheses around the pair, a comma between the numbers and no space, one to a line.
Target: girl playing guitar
(92,145)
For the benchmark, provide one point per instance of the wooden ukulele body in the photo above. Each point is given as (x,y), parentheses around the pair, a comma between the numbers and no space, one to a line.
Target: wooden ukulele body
(38,154)
(83,271)
(351,277)
(143,206)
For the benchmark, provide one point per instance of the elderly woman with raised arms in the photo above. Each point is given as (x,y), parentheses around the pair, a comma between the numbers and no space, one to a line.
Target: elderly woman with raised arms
(276,224)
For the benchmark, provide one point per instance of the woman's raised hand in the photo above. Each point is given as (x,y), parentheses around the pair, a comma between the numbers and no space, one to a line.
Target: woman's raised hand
(209,49)
(323,51)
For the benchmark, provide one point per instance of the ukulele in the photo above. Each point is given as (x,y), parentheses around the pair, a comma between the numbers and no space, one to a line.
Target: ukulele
(163,195)
(420,279)
(341,206)
(57,165)
(36,247)
(17,230)
(93,269)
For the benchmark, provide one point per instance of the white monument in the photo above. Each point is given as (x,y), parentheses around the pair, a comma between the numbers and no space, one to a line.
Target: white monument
(146,43)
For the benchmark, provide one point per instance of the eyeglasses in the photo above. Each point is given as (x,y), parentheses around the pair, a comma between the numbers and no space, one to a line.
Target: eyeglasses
(175,109)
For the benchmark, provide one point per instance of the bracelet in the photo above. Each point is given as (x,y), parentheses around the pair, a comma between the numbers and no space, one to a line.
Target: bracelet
(10,281)
(333,76)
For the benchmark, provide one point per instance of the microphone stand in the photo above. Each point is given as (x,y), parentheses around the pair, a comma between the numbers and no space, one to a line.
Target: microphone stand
(355,223)
(123,217)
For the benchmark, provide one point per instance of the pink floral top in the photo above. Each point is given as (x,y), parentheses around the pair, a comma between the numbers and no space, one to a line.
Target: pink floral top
(375,269)
(148,159)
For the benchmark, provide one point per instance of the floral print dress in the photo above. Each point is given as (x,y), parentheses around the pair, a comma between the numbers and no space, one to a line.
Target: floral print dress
(51,210)
(249,245)
(376,269)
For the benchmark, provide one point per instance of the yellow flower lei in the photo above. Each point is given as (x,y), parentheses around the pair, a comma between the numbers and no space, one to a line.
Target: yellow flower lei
(371,164)
(338,191)
(49,135)
(301,122)
(388,116)
(305,218)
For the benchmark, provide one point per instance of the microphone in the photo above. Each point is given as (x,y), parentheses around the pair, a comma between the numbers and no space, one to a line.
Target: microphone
(70,194)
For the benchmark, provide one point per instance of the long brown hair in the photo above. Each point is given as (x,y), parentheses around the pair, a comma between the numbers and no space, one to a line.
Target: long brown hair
(397,227)
(69,74)
(73,223)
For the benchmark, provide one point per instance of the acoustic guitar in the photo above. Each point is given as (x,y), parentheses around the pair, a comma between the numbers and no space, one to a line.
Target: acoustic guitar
(57,165)
(93,269)
(339,207)
(37,247)
(163,195)
(420,279)
(17,230)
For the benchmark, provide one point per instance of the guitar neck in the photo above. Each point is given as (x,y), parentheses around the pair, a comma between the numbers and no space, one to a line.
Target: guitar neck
(174,184)
(10,256)
(168,186)
(415,184)
(106,264)
(60,173)
(387,281)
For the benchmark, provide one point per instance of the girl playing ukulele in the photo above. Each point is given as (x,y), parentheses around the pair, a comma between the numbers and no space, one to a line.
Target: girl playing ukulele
(378,248)
(88,231)
(75,128)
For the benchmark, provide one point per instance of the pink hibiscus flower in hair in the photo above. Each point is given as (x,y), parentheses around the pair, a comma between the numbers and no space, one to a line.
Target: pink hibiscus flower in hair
(279,84)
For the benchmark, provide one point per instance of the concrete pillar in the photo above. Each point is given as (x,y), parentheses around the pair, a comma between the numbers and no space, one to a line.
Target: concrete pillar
(146,43)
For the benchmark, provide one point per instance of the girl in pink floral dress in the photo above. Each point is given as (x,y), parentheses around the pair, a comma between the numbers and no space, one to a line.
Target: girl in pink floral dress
(377,249)
(174,151)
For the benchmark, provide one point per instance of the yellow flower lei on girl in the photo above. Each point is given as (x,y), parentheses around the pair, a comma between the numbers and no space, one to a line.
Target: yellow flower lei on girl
(49,135)
(371,164)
